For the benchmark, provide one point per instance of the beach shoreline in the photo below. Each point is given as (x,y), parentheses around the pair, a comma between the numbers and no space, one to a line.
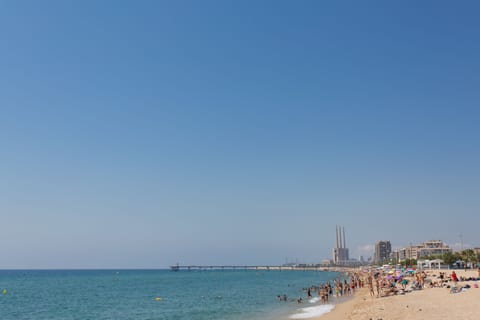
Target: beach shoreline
(312,307)
(428,303)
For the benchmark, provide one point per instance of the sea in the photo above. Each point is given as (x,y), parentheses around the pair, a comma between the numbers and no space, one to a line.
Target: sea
(160,294)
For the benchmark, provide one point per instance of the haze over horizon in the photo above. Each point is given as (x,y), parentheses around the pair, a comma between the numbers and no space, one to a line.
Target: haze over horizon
(142,134)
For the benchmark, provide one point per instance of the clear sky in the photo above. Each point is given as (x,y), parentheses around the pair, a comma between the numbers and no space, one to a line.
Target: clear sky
(146,133)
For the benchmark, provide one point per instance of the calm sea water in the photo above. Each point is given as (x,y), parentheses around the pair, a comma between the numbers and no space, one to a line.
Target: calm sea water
(156,294)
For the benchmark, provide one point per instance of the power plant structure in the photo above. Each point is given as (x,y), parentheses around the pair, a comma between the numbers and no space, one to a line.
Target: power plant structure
(340,252)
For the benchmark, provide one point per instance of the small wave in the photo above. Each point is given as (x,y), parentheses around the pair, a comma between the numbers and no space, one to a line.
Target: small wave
(311,312)
(314,300)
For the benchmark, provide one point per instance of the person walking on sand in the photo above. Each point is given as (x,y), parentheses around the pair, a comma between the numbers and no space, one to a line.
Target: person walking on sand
(377,284)
(370,285)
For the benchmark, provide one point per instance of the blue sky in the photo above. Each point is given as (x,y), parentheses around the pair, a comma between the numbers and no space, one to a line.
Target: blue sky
(141,134)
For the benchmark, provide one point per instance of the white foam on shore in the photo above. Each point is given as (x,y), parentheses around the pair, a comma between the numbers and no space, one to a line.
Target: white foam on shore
(314,300)
(311,312)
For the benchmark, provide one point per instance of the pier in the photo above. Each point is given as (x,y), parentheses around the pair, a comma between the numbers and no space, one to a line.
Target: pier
(249,267)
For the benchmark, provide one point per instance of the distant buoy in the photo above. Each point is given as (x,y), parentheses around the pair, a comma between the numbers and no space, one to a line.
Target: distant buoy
(4,291)
(158,299)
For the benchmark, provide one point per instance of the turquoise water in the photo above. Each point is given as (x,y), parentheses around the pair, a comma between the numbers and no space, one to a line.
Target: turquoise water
(131,294)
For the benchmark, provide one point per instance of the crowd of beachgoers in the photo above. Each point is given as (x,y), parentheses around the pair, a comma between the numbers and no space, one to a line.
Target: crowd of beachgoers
(399,293)
(389,280)
(340,287)
(384,281)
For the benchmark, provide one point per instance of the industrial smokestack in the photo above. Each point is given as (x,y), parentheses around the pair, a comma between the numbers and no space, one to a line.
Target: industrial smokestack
(336,232)
(344,242)
(340,236)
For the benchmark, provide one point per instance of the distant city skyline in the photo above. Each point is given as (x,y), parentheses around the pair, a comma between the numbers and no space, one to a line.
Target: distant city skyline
(142,134)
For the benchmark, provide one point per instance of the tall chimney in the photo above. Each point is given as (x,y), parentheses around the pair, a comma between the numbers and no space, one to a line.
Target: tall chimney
(344,242)
(336,232)
(340,236)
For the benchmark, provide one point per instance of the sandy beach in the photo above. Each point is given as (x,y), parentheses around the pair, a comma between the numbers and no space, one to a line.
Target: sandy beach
(429,303)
